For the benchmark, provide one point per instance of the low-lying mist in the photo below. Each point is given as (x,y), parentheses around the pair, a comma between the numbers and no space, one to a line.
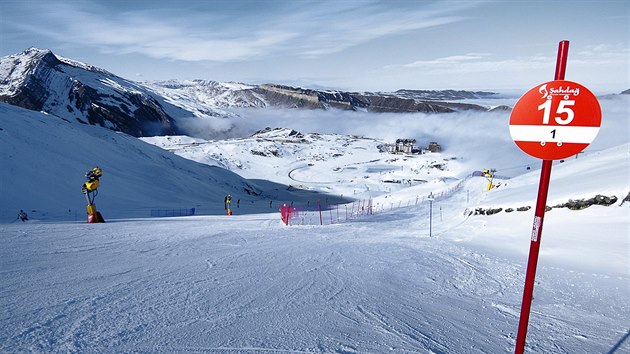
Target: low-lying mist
(478,139)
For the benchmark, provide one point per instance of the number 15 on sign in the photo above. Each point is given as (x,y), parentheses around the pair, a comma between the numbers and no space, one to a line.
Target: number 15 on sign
(555,120)
(563,108)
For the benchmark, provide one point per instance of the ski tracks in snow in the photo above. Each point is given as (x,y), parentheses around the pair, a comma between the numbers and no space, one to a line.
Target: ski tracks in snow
(249,284)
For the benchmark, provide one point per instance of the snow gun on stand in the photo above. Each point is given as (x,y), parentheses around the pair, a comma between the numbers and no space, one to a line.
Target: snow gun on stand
(90,189)
(489,174)
(228,204)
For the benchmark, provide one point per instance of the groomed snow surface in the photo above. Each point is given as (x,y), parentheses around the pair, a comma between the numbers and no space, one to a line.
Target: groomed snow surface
(372,284)
(248,284)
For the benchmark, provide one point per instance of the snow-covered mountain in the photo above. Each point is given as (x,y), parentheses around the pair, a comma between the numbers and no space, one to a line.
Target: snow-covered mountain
(445,95)
(44,159)
(71,92)
(41,81)
(199,93)
(414,276)
(210,95)
(273,165)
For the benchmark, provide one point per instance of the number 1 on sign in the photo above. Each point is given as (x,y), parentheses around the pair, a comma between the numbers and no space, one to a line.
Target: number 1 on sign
(562,108)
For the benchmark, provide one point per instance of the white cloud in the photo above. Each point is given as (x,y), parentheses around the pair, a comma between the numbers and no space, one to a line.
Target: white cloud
(602,54)
(303,29)
(474,63)
(349,32)
(155,37)
(590,56)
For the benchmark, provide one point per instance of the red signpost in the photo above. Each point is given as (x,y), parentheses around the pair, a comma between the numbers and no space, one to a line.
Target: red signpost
(552,121)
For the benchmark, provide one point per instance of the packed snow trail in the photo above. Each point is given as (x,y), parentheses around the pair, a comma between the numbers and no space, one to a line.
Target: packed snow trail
(250,284)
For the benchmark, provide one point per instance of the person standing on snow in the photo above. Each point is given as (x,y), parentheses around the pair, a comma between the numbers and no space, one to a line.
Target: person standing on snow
(22,215)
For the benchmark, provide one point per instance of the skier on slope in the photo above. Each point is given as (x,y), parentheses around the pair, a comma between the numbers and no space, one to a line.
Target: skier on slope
(22,216)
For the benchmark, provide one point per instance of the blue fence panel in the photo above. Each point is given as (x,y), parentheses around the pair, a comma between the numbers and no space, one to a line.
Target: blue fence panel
(172,212)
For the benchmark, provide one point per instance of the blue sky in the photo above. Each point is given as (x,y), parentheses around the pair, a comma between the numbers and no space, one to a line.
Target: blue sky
(344,44)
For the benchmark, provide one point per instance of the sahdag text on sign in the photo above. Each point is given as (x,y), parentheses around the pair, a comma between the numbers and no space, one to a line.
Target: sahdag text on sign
(555,120)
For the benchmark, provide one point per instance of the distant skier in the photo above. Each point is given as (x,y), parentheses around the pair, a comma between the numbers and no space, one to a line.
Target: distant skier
(227,201)
(22,216)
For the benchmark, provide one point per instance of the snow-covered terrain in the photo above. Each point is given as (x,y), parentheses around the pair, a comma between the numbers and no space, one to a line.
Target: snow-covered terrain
(358,167)
(209,95)
(376,284)
(44,159)
(80,93)
(202,96)
(361,283)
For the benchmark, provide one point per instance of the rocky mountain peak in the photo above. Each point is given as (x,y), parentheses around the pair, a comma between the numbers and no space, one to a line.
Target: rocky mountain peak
(38,80)
(15,69)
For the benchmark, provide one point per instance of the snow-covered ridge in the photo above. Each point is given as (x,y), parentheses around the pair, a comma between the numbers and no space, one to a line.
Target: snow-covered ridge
(15,68)
(229,95)
(40,81)
(205,97)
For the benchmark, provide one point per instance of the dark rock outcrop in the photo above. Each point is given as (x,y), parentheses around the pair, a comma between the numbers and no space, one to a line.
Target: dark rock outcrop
(579,204)
(293,97)
(585,203)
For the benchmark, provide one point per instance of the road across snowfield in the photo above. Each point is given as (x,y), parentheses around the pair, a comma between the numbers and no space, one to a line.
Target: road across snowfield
(249,284)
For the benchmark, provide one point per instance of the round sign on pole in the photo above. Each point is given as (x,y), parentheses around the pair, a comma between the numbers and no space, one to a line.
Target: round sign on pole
(555,120)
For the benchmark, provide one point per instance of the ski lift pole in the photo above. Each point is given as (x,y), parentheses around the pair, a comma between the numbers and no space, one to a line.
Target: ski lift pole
(319,206)
(331,215)
(431,198)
